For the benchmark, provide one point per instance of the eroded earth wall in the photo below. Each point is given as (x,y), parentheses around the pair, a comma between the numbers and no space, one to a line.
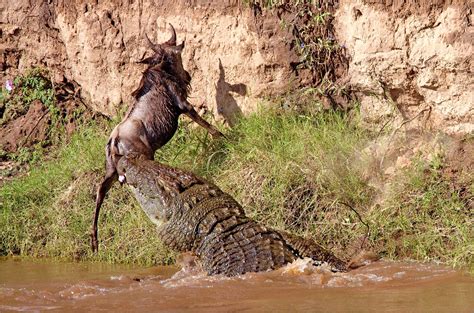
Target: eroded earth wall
(233,56)
(409,60)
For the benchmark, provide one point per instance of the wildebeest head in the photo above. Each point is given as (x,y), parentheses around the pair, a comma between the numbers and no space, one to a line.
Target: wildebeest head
(167,56)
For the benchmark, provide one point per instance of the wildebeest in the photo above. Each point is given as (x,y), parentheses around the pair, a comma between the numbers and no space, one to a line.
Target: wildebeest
(152,120)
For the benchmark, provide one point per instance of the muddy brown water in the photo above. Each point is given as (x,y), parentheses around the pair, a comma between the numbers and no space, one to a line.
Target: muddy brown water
(41,286)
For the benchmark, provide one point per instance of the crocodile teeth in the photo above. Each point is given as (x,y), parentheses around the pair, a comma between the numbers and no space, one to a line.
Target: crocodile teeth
(121,178)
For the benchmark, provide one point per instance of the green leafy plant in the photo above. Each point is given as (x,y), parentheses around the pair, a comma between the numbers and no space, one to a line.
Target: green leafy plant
(33,85)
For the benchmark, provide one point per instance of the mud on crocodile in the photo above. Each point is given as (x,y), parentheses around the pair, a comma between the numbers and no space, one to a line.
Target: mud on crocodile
(194,215)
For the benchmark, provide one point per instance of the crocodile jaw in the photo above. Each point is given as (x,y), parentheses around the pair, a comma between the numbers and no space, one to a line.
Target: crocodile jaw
(153,208)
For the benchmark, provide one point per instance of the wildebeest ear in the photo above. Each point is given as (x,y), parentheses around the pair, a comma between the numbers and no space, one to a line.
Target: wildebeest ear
(148,60)
(178,48)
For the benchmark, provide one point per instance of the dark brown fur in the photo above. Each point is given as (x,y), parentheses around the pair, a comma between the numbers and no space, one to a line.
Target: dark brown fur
(152,120)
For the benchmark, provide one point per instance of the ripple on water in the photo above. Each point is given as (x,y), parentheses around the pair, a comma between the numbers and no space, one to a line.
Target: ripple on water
(377,273)
(302,271)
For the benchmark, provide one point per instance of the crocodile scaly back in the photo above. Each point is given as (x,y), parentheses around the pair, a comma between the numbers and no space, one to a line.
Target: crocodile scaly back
(195,215)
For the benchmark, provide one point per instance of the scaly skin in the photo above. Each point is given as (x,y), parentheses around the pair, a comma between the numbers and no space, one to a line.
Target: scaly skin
(193,214)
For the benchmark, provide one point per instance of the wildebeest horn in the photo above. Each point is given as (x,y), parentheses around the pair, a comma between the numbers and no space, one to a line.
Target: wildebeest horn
(172,40)
(150,44)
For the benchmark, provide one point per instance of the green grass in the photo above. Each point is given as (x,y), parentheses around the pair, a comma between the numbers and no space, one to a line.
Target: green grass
(294,171)
(290,170)
(49,212)
(426,218)
(33,85)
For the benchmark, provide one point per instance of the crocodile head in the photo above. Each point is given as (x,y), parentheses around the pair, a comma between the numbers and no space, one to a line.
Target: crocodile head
(155,186)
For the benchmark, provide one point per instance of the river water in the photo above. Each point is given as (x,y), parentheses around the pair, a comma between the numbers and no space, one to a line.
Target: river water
(46,286)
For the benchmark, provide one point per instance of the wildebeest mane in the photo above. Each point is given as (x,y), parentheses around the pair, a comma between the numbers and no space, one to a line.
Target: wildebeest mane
(162,74)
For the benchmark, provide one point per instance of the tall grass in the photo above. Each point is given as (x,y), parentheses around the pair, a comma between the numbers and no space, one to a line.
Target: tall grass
(295,171)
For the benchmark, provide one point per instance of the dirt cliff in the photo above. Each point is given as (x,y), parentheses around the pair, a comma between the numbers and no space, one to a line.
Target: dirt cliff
(411,60)
(233,58)
(408,61)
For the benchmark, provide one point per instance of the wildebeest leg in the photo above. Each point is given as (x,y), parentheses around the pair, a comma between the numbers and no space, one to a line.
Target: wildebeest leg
(202,122)
(104,187)
(188,109)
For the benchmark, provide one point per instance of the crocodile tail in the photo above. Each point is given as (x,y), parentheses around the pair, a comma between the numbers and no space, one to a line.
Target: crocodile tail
(309,248)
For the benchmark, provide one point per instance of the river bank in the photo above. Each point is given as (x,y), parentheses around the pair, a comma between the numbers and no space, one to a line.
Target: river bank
(311,172)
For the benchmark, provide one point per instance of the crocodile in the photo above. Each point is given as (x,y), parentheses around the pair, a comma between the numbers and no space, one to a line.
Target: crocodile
(194,215)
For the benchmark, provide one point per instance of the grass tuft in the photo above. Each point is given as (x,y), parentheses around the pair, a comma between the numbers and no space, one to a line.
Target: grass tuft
(426,218)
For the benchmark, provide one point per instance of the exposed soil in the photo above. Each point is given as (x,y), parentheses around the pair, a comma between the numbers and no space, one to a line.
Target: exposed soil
(404,8)
(27,129)
(38,129)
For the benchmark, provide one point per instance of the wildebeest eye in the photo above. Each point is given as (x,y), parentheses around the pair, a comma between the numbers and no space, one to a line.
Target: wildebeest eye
(177,49)
(153,60)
